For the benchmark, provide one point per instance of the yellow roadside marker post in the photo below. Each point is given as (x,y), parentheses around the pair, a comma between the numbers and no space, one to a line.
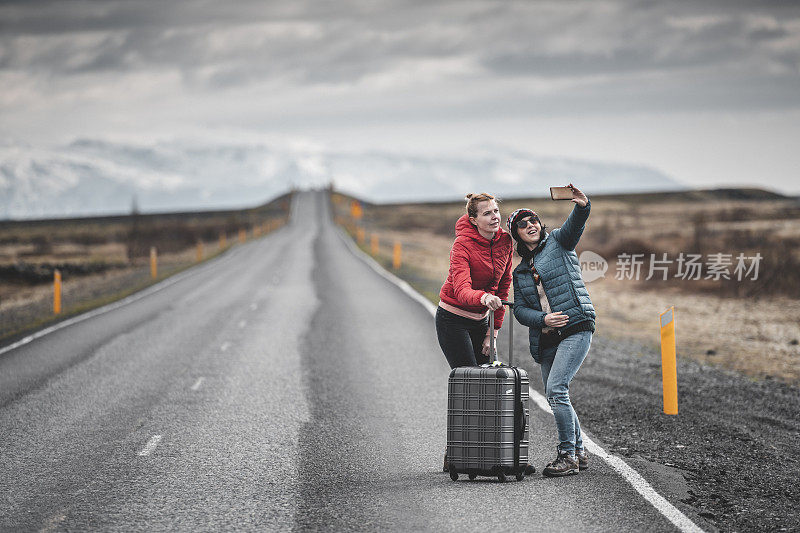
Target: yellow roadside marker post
(669,368)
(199,251)
(397,255)
(153,262)
(374,244)
(360,232)
(57,292)
(356,211)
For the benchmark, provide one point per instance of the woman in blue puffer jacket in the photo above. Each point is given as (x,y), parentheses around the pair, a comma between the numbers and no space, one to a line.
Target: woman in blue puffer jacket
(550,298)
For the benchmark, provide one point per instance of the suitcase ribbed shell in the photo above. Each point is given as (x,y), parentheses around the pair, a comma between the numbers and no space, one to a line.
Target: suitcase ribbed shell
(480,420)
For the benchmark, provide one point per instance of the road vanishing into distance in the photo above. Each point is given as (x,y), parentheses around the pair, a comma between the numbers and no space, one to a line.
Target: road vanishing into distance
(284,385)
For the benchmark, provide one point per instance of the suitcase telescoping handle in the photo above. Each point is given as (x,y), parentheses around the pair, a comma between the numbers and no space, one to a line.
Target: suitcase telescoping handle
(492,347)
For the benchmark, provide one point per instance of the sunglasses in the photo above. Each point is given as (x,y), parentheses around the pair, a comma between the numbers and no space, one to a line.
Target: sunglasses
(522,224)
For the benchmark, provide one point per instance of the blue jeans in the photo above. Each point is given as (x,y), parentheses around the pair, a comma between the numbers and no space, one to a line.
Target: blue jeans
(559,365)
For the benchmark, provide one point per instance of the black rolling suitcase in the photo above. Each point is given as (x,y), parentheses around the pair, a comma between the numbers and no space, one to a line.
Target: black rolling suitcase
(487,418)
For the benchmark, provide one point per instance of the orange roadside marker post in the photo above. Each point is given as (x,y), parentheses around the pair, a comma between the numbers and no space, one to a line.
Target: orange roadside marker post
(361,236)
(57,292)
(242,235)
(153,262)
(374,244)
(223,241)
(669,363)
(397,255)
(199,251)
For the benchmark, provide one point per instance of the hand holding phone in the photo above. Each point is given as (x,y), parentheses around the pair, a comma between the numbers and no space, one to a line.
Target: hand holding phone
(570,192)
(561,193)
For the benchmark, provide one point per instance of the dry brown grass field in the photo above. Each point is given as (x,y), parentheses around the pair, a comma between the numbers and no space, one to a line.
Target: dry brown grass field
(750,325)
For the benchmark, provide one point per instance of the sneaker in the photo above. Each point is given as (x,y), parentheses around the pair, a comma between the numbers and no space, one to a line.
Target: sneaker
(564,465)
(583,459)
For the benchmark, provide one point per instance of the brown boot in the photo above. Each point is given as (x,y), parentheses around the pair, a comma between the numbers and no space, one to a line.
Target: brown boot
(583,459)
(564,465)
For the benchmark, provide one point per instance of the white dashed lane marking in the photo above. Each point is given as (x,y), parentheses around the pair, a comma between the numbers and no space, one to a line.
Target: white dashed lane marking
(150,446)
(197,383)
(225,346)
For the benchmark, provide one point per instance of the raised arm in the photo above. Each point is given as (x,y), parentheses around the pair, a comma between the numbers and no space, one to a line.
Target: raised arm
(570,233)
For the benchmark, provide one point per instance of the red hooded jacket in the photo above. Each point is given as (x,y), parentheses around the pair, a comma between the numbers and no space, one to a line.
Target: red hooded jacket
(478,266)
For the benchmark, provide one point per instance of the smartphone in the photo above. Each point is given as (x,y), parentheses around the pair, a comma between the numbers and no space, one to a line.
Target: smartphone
(561,193)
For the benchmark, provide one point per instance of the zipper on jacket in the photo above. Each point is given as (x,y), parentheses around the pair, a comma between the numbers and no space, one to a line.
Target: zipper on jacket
(491,258)
(541,281)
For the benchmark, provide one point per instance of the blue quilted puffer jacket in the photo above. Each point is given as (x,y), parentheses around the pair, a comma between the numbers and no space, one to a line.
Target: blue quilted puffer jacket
(557,264)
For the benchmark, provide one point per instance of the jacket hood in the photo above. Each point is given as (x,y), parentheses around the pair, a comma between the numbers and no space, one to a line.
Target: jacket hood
(465,228)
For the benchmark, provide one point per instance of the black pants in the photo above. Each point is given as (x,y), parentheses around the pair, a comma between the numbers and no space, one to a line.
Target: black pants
(461,339)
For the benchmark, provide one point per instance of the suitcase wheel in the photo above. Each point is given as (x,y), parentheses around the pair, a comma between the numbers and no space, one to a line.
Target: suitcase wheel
(520,476)
(472,477)
(453,474)
(501,477)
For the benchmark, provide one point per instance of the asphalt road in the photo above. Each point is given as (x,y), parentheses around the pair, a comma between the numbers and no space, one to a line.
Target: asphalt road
(282,386)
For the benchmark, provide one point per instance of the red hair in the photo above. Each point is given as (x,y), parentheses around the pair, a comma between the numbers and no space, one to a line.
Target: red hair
(474,199)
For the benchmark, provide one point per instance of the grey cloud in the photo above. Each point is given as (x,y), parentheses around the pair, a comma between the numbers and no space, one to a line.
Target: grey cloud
(75,16)
(352,40)
(767,34)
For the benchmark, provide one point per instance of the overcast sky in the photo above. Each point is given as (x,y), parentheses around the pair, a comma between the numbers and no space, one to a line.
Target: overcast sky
(705,91)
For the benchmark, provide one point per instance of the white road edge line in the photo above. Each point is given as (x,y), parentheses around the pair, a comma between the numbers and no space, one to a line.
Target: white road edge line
(639,484)
(54,521)
(197,383)
(674,515)
(225,346)
(150,446)
(116,305)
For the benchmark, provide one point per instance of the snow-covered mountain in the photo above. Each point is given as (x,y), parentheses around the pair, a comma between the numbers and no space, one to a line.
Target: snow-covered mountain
(91,177)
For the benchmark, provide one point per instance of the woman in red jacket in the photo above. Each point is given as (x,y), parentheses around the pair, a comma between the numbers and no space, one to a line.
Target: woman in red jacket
(478,281)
